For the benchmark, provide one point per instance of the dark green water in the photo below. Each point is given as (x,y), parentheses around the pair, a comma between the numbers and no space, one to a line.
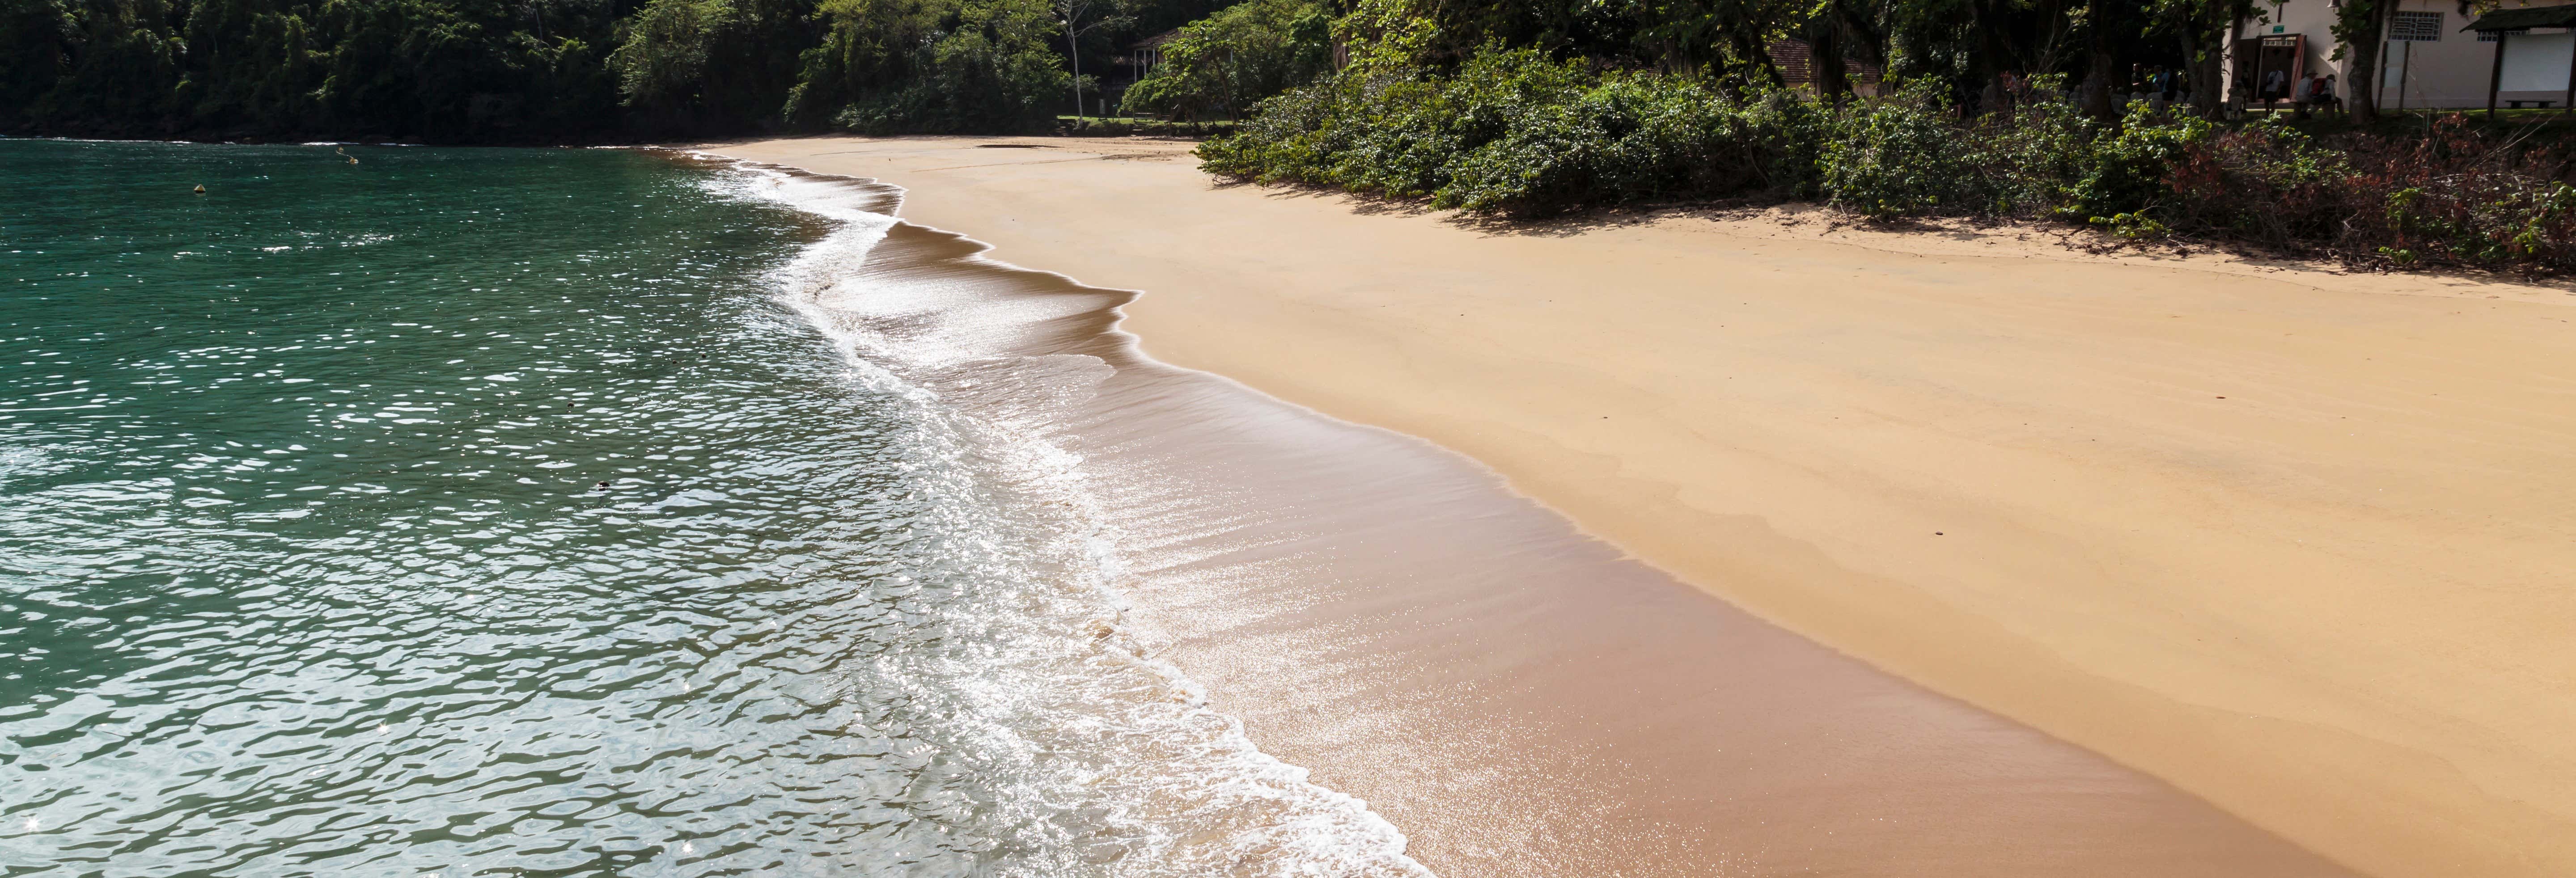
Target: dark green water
(489,512)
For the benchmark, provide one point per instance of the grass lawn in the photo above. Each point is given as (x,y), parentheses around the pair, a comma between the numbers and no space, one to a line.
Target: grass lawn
(1112,126)
(2552,121)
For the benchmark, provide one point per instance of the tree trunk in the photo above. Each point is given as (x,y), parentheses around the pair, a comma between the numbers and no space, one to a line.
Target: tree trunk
(2237,12)
(1995,52)
(2208,90)
(2097,77)
(1748,44)
(2365,48)
(1825,41)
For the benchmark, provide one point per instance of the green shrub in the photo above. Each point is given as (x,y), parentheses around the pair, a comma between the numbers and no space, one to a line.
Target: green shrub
(1897,158)
(1511,132)
(2124,172)
(664,56)
(1240,55)
(933,66)
(1515,133)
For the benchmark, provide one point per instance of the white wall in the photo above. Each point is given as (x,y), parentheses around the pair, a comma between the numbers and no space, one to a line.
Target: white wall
(2538,62)
(2451,72)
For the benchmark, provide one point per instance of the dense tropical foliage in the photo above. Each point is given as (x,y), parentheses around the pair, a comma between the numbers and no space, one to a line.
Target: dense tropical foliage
(2025,109)
(1252,50)
(545,70)
(171,67)
(1992,108)
(1517,134)
(462,70)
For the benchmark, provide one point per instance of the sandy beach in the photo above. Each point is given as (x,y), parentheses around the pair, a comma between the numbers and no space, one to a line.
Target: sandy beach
(2296,542)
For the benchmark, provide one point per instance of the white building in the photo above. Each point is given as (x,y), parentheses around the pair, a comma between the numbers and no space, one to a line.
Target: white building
(2429,58)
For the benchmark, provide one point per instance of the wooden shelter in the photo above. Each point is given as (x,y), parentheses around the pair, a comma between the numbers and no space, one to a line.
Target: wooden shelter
(2507,24)
(1146,54)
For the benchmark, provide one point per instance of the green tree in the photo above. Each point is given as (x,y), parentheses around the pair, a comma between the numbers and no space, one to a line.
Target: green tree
(662,62)
(891,66)
(1240,55)
(2359,28)
(724,64)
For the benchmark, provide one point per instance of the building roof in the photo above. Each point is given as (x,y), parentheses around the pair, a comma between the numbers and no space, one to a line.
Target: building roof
(1156,40)
(2526,18)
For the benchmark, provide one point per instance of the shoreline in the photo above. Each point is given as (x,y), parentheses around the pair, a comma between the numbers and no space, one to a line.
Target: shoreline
(1389,616)
(986,352)
(2405,731)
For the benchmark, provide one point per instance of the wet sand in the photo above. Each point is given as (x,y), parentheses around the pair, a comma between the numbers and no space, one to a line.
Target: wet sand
(1519,698)
(2003,471)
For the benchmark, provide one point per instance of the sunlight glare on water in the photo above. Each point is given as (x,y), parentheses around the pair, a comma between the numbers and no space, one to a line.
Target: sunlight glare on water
(471,512)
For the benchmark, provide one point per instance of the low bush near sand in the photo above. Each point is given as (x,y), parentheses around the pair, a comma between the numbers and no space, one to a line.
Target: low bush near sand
(2451,196)
(1515,134)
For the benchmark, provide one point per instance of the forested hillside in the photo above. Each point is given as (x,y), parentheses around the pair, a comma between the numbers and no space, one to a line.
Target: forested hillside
(503,70)
(547,70)
(463,70)
(2103,112)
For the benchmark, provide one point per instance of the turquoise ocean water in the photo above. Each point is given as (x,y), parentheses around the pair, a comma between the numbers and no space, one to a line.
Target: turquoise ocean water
(502,512)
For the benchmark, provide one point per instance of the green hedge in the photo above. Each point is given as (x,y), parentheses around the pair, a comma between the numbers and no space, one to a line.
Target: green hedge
(1516,134)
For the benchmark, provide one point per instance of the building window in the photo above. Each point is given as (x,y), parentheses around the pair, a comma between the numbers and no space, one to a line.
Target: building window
(2416,27)
(2489,36)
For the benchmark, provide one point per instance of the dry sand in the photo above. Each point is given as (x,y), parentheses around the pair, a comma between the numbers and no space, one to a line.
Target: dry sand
(1518,698)
(2298,542)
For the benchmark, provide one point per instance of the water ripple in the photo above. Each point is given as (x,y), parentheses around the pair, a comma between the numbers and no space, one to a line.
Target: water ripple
(484,512)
